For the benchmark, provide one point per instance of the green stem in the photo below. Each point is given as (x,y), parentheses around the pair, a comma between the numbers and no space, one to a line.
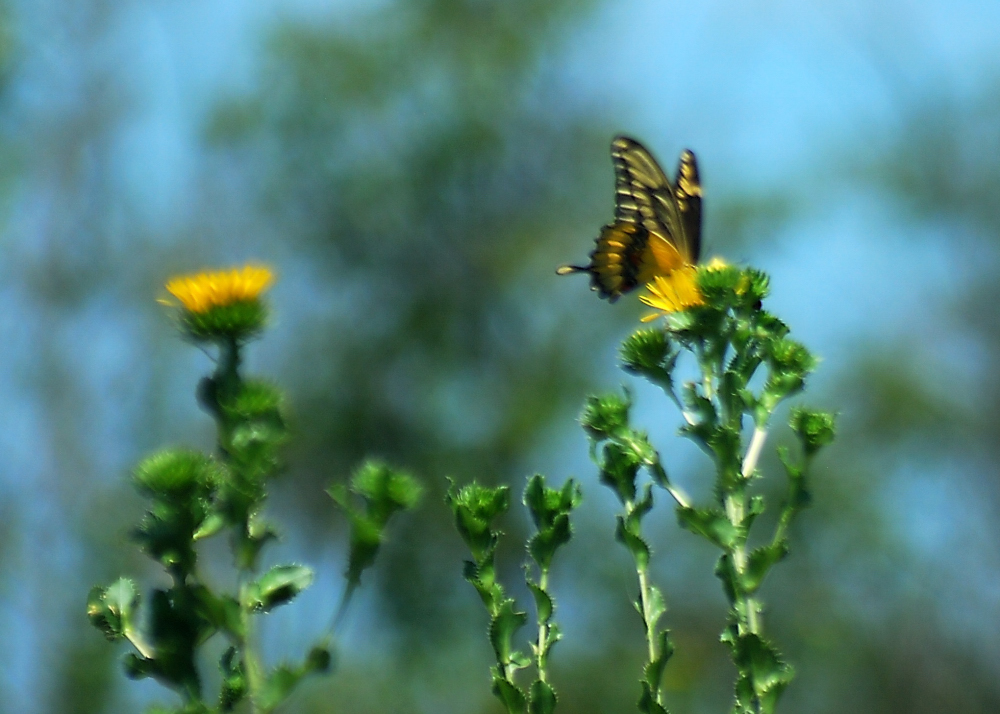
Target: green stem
(753,451)
(650,629)
(543,630)
(249,656)
(644,596)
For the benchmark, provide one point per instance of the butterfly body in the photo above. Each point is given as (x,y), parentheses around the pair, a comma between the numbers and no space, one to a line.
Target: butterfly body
(657,227)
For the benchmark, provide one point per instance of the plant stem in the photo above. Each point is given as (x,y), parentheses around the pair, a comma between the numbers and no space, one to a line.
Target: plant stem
(753,451)
(543,629)
(644,596)
(650,629)
(249,655)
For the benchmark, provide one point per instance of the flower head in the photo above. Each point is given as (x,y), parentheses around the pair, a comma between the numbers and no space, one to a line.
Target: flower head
(200,292)
(673,293)
(222,303)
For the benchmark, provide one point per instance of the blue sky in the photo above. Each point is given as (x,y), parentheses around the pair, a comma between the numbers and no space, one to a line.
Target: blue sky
(767,93)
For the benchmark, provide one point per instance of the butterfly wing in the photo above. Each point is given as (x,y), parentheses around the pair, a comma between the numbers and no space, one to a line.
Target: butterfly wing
(657,226)
(644,194)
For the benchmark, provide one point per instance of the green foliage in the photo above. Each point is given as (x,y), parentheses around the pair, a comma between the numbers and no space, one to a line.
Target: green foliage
(475,509)
(195,496)
(383,492)
(731,338)
(112,609)
(620,452)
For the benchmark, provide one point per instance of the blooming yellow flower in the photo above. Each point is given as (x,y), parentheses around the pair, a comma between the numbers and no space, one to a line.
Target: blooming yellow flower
(201,292)
(673,293)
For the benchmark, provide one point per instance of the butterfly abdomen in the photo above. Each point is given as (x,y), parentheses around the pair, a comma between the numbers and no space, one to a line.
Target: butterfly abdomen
(616,261)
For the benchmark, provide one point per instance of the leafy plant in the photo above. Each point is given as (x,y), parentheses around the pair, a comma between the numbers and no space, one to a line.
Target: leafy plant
(194,496)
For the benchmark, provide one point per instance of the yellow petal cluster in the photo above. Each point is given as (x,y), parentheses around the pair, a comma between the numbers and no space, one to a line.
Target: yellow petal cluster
(674,292)
(201,292)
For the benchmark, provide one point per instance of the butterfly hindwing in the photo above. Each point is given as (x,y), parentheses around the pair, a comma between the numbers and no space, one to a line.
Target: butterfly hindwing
(657,224)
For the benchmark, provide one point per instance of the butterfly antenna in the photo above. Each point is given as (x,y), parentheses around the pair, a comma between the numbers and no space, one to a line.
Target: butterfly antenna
(569,269)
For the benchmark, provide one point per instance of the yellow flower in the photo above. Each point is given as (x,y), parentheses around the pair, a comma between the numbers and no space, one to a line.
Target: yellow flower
(673,293)
(201,292)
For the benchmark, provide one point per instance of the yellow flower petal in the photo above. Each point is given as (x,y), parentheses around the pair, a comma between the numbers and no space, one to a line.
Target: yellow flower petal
(201,292)
(674,292)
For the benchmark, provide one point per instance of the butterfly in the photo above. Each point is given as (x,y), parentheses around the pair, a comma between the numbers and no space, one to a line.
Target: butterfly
(657,227)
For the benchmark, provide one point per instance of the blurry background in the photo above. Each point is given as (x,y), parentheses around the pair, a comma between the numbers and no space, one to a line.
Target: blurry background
(414,170)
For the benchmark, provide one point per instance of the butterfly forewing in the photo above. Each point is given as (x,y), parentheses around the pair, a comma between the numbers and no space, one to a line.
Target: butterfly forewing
(657,224)
(688,195)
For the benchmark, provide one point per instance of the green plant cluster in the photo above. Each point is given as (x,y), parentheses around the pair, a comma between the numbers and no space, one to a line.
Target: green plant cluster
(746,366)
(732,339)
(620,452)
(475,509)
(194,496)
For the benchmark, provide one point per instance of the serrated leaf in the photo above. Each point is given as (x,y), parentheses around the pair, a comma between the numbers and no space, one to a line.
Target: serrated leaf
(554,635)
(518,660)
(214,523)
(635,544)
(543,602)
(710,523)
(234,685)
(648,703)
(512,696)
(654,669)
(759,661)
(759,562)
(655,606)
(280,585)
(543,698)
(504,624)
(112,609)
(543,545)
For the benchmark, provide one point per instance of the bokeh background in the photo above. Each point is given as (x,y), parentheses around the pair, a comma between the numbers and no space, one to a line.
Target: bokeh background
(414,170)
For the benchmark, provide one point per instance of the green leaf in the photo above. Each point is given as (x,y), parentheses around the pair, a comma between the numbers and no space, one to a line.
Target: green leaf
(634,543)
(475,508)
(512,696)
(386,490)
(711,524)
(543,545)
(113,609)
(543,602)
(503,626)
(648,703)
(760,663)
(214,523)
(656,605)
(759,562)
(543,698)
(619,468)
(815,429)
(279,585)
(654,670)
(234,684)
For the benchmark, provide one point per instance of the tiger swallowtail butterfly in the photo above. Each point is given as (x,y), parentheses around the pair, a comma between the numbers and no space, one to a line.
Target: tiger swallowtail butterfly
(657,227)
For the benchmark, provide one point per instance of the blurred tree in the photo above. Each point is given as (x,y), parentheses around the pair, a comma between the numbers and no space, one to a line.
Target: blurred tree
(421,160)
